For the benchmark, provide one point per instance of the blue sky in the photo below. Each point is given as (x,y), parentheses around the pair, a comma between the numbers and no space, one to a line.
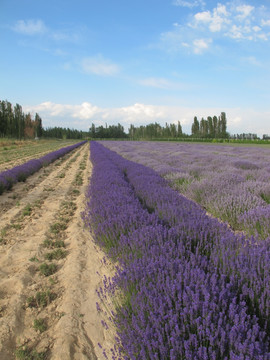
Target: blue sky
(136,62)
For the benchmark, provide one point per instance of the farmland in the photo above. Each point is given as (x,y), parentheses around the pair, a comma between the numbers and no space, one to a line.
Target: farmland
(185,233)
(189,285)
(13,153)
(49,265)
(230,182)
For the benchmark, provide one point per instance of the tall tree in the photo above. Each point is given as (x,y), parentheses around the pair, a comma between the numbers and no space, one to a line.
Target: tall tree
(223,125)
(210,127)
(179,129)
(29,129)
(215,126)
(3,119)
(19,121)
(195,129)
(38,126)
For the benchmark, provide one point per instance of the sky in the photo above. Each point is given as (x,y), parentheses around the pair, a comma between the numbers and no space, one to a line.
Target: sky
(137,62)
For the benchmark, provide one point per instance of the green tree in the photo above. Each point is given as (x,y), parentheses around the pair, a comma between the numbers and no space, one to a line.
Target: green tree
(38,126)
(210,127)
(179,130)
(215,126)
(195,129)
(223,125)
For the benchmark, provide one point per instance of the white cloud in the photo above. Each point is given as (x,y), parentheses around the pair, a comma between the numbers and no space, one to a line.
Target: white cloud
(30,27)
(256,28)
(225,20)
(244,10)
(34,27)
(50,109)
(215,20)
(189,4)
(84,111)
(265,22)
(99,66)
(236,121)
(145,112)
(81,116)
(204,16)
(201,45)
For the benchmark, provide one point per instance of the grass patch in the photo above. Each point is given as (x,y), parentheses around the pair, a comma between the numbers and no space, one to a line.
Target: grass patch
(78,179)
(56,255)
(265,197)
(48,189)
(41,299)
(27,210)
(48,243)
(47,270)
(40,325)
(16,226)
(24,353)
(75,191)
(57,227)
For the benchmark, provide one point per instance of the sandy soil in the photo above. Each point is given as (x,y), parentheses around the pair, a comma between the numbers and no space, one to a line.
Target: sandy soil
(54,314)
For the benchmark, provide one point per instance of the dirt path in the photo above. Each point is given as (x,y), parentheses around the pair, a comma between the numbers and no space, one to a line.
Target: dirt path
(50,269)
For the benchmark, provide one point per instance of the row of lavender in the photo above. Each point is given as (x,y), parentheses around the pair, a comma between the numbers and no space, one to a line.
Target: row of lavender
(21,172)
(232,183)
(191,289)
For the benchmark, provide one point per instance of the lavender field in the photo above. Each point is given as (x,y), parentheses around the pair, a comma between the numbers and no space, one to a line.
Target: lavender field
(21,172)
(232,183)
(188,286)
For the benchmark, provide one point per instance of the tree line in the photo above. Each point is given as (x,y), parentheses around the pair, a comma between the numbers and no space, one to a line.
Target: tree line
(107,132)
(212,127)
(14,123)
(156,131)
(64,133)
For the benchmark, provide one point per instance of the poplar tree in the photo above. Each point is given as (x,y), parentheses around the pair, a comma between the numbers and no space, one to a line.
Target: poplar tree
(179,129)
(195,129)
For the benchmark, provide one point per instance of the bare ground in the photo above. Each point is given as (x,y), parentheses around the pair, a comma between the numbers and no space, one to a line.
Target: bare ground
(51,314)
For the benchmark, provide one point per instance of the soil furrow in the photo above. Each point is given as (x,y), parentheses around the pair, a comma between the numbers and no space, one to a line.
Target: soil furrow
(37,187)
(51,314)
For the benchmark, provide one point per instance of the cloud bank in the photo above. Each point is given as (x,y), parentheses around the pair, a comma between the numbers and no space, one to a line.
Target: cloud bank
(231,21)
(81,116)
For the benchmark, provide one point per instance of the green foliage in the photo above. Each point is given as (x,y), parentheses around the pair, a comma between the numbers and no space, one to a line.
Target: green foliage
(265,197)
(62,175)
(47,270)
(75,191)
(41,299)
(34,259)
(113,131)
(57,227)
(210,128)
(48,243)
(24,353)
(78,179)
(27,210)
(56,255)
(40,325)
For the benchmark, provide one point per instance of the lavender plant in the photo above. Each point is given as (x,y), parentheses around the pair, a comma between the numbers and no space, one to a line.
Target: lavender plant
(190,288)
